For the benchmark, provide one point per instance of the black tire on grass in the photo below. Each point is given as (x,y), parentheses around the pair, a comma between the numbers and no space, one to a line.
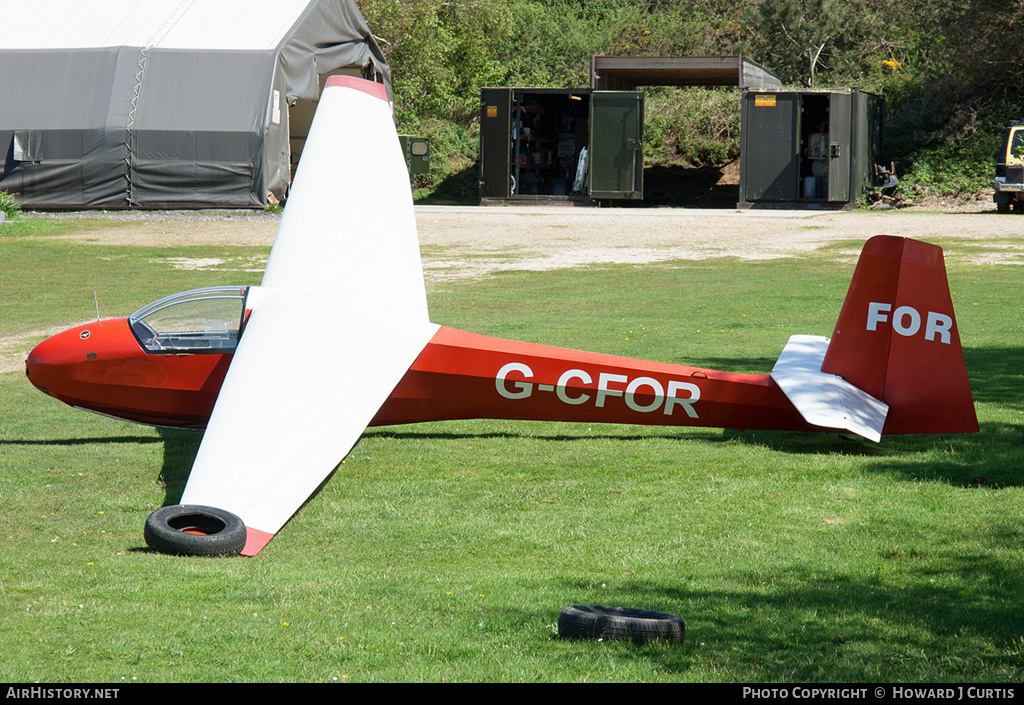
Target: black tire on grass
(194,530)
(623,623)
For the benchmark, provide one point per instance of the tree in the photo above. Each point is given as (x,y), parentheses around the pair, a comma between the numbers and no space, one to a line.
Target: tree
(440,53)
(798,39)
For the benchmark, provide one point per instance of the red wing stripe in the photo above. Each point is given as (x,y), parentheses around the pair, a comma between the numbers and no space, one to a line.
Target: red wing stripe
(377,90)
(255,540)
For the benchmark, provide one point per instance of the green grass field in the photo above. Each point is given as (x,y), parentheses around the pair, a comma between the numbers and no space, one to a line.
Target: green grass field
(444,552)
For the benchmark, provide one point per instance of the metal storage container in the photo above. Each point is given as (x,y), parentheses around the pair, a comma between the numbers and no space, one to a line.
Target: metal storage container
(547,144)
(807,148)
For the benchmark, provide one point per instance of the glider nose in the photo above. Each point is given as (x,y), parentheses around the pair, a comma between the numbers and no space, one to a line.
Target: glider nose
(47,365)
(65,364)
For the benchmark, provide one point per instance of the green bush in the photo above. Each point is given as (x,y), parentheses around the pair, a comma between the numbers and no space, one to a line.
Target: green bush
(9,206)
(956,156)
(695,126)
(960,168)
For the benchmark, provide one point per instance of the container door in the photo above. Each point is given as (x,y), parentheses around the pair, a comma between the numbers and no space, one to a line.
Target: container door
(495,142)
(616,144)
(770,161)
(868,114)
(840,146)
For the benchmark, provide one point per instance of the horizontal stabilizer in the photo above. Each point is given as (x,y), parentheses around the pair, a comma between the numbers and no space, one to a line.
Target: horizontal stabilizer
(825,399)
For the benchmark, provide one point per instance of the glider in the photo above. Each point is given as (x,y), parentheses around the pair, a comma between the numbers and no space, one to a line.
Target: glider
(345,270)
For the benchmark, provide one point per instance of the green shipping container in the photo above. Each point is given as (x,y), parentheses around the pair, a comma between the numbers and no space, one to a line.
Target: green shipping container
(808,148)
(546,144)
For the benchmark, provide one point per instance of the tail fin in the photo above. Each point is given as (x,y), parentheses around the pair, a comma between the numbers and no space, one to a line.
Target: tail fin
(897,339)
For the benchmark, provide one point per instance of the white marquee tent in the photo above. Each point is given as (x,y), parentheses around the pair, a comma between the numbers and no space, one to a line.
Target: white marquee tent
(167,103)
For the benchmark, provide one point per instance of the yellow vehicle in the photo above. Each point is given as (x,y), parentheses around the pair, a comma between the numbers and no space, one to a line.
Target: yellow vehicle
(1009,183)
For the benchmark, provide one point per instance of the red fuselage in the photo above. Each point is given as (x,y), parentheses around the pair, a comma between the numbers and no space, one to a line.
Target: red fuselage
(103,368)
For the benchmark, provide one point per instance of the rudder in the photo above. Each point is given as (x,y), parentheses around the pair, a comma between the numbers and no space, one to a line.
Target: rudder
(897,339)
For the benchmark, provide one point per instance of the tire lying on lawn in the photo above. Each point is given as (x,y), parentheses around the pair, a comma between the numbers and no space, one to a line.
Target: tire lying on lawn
(194,530)
(602,622)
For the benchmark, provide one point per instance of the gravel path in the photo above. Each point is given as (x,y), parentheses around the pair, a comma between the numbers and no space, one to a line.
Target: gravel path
(545,237)
(472,241)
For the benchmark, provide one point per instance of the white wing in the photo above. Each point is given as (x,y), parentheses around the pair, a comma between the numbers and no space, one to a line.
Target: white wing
(338,320)
(349,225)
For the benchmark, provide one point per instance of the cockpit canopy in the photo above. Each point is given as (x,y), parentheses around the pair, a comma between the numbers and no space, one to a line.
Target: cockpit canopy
(204,320)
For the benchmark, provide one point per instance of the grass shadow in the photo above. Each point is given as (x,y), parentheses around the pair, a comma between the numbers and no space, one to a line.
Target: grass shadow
(801,623)
(180,448)
(459,188)
(664,185)
(92,440)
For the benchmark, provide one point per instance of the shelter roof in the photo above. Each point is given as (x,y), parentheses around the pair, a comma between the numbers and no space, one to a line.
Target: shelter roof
(239,25)
(628,72)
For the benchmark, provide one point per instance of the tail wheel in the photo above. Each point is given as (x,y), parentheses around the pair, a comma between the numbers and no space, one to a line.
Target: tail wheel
(637,626)
(194,530)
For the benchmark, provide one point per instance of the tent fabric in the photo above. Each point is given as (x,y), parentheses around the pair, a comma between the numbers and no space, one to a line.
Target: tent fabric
(156,104)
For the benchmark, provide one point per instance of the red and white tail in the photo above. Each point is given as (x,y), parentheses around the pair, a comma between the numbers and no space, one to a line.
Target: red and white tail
(897,339)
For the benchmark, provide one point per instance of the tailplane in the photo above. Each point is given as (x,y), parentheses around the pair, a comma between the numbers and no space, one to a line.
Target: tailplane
(897,339)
